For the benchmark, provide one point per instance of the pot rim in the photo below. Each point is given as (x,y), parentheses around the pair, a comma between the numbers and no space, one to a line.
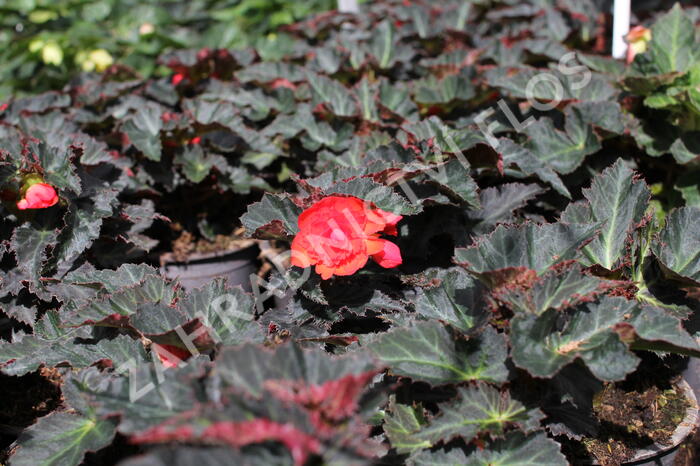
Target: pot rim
(168,258)
(685,427)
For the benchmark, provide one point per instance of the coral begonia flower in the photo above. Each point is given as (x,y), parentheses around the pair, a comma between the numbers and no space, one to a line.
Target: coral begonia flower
(38,196)
(339,234)
(637,38)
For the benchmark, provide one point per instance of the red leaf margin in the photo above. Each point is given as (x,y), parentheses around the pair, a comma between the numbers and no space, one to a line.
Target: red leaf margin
(334,400)
(238,434)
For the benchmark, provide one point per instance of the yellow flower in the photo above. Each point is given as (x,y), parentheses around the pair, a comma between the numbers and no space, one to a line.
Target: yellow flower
(52,54)
(36,45)
(96,60)
(42,16)
(101,58)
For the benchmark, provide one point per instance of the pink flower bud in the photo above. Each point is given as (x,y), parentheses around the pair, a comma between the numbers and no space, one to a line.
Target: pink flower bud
(38,196)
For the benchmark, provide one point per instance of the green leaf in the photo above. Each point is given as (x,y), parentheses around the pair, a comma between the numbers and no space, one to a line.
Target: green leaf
(143,129)
(227,312)
(479,409)
(143,397)
(380,195)
(498,204)
(455,179)
(269,71)
(254,105)
(686,148)
(187,456)
(606,115)
(427,351)
(84,223)
(456,87)
(341,101)
(51,345)
(59,170)
(672,43)
(153,289)
(273,216)
(661,331)
(219,111)
(421,21)
(454,457)
(62,439)
(385,46)
(141,217)
(602,63)
(195,164)
(617,200)
(29,244)
(367,93)
(529,164)
(678,246)
(658,137)
(562,150)
(458,300)
(518,449)
(453,59)
(259,160)
(542,346)
(247,368)
(241,181)
(660,101)
(111,280)
(446,140)
(319,132)
(401,425)
(558,28)
(551,85)
(397,98)
(20,313)
(533,247)
(555,290)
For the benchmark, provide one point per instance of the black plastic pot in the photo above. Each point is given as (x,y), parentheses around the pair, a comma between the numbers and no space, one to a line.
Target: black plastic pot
(199,269)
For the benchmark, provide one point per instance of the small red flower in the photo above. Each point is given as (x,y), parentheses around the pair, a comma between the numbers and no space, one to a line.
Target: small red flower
(203,54)
(195,140)
(282,82)
(170,355)
(177,78)
(339,234)
(38,196)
